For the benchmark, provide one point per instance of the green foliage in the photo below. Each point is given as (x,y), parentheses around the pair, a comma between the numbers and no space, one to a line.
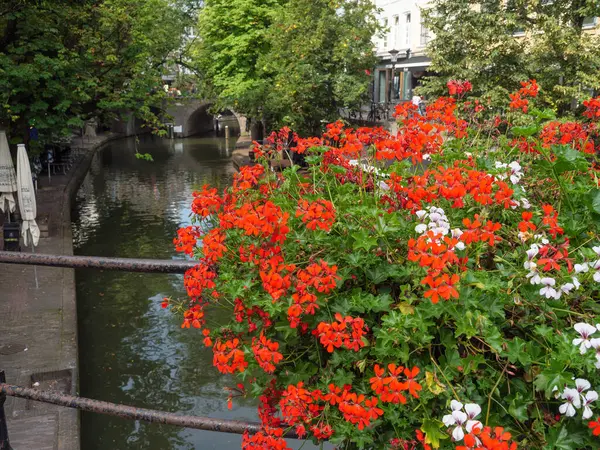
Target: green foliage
(290,62)
(497,44)
(62,63)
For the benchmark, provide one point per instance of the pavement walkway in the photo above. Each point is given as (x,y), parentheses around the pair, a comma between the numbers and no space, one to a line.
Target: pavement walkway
(38,326)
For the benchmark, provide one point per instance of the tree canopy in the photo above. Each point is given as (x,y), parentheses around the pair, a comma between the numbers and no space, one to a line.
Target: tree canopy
(495,44)
(291,62)
(62,63)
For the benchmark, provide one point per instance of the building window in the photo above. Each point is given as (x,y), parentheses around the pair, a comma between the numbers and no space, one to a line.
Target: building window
(590,22)
(407,29)
(396,32)
(425,37)
(386,32)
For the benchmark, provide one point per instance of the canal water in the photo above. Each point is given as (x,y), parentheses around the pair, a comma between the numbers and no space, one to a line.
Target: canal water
(131,350)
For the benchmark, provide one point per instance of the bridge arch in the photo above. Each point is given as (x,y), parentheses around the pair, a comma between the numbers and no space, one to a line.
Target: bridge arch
(193,117)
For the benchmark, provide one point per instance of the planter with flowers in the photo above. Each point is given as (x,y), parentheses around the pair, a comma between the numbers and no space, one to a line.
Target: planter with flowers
(436,288)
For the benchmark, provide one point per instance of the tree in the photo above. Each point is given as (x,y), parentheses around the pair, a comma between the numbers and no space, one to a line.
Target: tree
(288,61)
(320,52)
(233,36)
(495,44)
(65,62)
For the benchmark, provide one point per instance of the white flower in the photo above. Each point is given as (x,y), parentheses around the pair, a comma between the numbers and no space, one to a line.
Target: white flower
(582,385)
(462,419)
(530,265)
(596,249)
(460,246)
(384,186)
(548,291)
(420,214)
(595,344)
(516,173)
(572,401)
(525,203)
(596,264)
(457,233)
(587,399)
(435,217)
(533,250)
(597,276)
(426,156)
(576,282)
(421,228)
(535,277)
(585,331)
(583,267)
(567,287)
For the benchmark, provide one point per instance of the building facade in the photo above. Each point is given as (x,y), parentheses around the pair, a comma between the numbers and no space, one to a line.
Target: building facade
(405,41)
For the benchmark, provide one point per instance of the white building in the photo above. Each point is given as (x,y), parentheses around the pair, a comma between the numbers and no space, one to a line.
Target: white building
(407,36)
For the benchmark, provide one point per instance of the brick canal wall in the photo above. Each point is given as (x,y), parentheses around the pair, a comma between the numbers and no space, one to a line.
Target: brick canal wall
(38,326)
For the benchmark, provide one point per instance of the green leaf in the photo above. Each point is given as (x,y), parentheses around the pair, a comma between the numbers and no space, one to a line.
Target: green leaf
(567,159)
(363,240)
(433,434)
(518,408)
(595,201)
(552,377)
(525,131)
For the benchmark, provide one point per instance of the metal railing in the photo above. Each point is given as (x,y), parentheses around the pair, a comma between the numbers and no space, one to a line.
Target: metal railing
(98,262)
(97,406)
(118,410)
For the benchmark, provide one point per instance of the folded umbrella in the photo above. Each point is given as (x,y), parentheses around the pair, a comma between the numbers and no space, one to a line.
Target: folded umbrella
(8,179)
(26,196)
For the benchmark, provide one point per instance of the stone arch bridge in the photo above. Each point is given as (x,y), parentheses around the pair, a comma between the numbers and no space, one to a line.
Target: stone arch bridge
(192,115)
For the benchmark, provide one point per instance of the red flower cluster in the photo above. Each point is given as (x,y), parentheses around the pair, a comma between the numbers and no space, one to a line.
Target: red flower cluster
(551,220)
(459,87)
(318,214)
(199,278)
(247,177)
(266,354)
(456,184)
(526,225)
(320,277)
(346,331)
(228,357)
(568,133)
(206,202)
(592,108)
(194,316)
(488,439)
(390,388)
(267,439)
(436,252)
(356,408)
(477,232)
(519,100)
(213,245)
(242,313)
(186,240)
(260,219)
(594,425)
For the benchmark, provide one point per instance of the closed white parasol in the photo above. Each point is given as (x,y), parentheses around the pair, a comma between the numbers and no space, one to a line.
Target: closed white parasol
(26,196)
(8,179)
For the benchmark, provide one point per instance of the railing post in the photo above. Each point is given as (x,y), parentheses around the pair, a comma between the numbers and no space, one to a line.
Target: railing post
(4,442)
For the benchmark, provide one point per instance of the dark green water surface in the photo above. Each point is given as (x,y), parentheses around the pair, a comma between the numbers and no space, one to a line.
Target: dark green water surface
(131,350)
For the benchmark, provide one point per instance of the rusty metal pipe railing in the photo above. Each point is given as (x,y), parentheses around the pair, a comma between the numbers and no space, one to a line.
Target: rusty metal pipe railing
(4,441)
(98,262)
(133,413)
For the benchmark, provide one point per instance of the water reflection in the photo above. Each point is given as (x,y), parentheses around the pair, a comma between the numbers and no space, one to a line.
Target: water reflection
(131,350)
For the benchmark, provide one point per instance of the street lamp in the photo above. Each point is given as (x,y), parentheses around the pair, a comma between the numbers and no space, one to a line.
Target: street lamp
(394,58)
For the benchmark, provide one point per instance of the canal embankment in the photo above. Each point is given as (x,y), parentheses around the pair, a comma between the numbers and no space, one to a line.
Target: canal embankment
(38,326)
